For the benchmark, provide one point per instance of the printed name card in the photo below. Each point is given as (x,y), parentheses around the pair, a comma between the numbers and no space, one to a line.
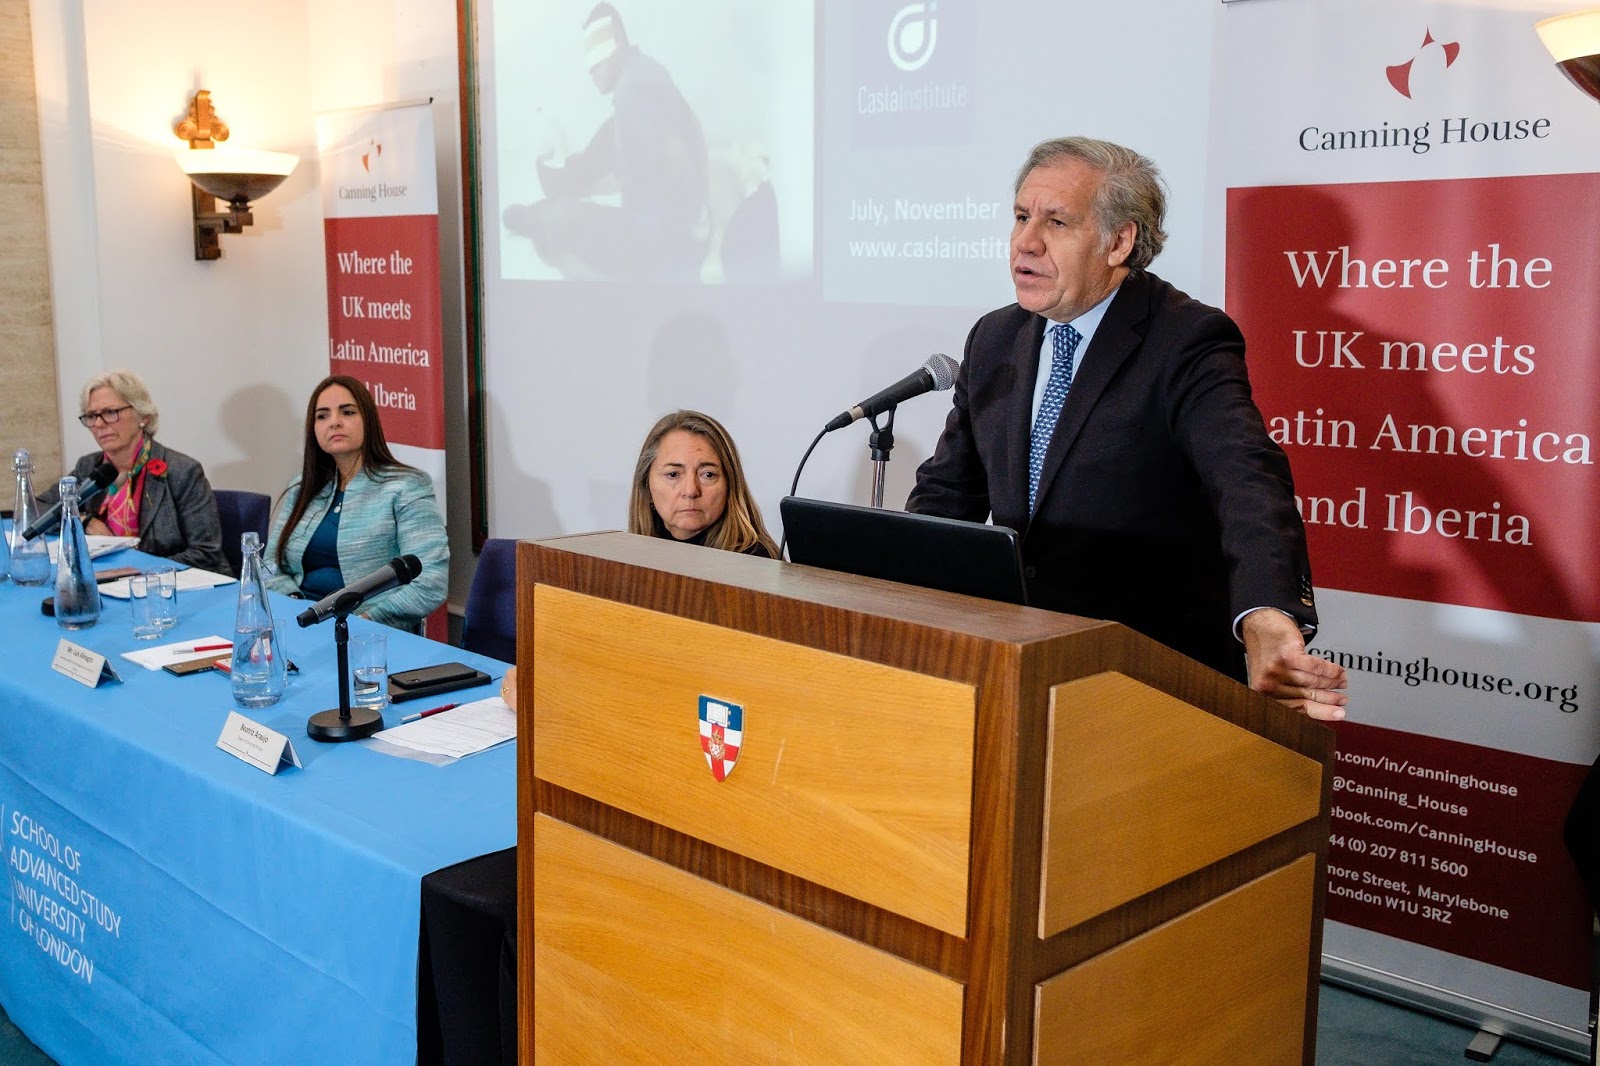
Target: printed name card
(265,749)
(81,664)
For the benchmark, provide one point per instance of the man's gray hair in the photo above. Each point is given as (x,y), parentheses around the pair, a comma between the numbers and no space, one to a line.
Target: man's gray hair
(127,384)
(1131,190)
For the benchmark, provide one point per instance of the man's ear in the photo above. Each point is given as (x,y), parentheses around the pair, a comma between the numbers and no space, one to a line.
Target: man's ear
(1122,244)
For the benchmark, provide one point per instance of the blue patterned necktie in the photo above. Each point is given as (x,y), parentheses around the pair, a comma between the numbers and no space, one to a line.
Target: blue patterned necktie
(1063,343)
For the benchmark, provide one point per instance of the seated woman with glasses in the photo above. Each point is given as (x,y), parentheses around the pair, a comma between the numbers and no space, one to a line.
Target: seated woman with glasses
(160,495)
(353,508)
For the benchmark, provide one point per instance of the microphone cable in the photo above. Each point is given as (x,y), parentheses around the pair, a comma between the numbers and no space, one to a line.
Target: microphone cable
(794,485)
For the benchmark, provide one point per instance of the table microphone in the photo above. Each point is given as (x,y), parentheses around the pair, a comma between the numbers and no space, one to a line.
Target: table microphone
(401,570)
(935,375)
(98,479)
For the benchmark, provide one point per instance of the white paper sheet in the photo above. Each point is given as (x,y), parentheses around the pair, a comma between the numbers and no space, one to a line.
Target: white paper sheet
(189,579)
(180,652)
(98,546)
(464,730)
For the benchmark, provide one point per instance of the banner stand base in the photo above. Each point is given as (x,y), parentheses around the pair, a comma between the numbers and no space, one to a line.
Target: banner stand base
(1508,1025)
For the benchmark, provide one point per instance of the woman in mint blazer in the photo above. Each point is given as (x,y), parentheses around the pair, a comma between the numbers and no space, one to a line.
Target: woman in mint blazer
(353,508)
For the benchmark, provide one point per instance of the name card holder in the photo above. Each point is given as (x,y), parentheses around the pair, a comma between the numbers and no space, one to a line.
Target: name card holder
(265,749)
(82,665)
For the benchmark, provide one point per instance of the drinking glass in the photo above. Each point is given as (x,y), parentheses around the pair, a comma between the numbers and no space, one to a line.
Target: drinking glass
(369,661)
(164,592)
(145,624)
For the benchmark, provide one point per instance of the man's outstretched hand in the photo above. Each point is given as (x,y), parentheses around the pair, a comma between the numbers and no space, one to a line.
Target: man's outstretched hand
(1279,665)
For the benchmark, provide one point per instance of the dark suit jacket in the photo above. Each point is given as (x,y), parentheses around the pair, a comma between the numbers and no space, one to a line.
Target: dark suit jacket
(177,513)
(1163,503)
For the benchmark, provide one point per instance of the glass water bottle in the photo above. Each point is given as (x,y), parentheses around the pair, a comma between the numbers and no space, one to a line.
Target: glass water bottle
(30,560)
(260,668)
(5,555)
(77,595)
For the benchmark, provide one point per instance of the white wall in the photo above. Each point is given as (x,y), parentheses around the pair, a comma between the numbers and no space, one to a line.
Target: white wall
(230,348)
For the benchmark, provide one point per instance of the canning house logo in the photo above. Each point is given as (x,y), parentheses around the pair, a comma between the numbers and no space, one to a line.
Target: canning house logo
(1422,80)
(1400,74)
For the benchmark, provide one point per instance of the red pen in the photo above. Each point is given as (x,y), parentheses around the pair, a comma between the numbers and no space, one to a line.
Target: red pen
(429,711)
(211,647)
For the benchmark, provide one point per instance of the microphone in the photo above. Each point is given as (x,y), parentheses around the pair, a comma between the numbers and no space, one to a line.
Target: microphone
(936,375)
(392,574)
(98,479)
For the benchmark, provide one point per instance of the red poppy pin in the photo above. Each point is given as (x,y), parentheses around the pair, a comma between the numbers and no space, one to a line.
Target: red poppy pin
(157,467)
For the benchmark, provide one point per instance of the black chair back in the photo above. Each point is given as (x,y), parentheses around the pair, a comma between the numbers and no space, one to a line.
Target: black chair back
(490,627)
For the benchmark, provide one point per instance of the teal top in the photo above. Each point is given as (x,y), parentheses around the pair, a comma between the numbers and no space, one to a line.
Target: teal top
(381,517)
(319,566)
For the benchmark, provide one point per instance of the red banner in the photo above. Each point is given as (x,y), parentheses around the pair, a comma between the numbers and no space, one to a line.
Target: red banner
(1450,845)
(384,319)
(1423,350)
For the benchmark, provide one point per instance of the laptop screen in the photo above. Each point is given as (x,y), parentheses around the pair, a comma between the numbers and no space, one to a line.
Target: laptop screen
(971,558)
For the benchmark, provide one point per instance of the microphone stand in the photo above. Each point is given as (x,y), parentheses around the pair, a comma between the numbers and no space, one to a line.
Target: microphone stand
(879,444)
(343,722)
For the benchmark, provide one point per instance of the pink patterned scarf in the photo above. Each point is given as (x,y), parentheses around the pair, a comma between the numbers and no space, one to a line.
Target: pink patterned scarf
(121,509)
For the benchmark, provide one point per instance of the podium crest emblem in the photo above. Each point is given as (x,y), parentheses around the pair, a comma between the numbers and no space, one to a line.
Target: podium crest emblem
(721,735)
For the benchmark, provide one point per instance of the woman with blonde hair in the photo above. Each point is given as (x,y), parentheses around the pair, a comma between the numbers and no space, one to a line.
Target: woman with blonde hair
(160,495)
(689,485)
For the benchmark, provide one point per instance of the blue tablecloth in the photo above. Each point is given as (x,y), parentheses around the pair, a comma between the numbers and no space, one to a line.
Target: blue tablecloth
(170,903)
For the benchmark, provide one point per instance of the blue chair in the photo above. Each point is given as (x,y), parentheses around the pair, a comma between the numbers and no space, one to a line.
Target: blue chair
(240,513)
(490,626)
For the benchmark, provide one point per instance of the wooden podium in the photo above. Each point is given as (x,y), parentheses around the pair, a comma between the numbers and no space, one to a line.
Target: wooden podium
(955,831)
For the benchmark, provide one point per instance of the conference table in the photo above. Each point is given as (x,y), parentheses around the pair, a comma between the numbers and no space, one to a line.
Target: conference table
(171,903)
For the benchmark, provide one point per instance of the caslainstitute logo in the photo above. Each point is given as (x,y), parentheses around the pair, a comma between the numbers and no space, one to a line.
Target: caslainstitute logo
(914,68)
(913,34)
(1424,70)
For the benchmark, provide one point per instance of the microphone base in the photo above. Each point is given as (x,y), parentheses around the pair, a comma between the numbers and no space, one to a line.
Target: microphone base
(329,728)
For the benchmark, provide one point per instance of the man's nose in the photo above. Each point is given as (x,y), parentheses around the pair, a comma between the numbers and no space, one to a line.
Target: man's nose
(1027,238)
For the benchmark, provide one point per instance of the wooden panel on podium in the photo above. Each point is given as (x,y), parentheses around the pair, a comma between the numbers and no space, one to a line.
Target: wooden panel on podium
(637,962)
(957,831)
(1221,984)
(1143,788)
(859,779)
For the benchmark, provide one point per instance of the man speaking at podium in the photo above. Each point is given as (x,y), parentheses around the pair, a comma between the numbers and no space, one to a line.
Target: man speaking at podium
(1107,417)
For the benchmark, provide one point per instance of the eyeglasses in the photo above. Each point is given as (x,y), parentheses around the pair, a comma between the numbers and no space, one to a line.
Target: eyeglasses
(109,416)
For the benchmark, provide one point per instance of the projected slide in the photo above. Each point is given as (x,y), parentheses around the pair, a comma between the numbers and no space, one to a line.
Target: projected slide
(914,207)
(657,145)
(768,209)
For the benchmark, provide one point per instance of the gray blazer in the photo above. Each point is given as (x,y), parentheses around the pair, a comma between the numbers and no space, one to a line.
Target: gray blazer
(177,514)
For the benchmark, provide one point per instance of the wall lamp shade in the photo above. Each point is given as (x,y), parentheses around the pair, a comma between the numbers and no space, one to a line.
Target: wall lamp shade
(1574,42)
(237,176)
(232,175)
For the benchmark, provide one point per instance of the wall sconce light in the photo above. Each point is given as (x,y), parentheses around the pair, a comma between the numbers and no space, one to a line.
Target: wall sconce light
(233,175)
(1574,42)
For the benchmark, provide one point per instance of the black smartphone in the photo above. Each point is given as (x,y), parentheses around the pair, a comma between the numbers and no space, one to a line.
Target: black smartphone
(430,680)
(427,676)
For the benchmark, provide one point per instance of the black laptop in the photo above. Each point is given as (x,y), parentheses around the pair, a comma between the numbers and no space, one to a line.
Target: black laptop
(971,558)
